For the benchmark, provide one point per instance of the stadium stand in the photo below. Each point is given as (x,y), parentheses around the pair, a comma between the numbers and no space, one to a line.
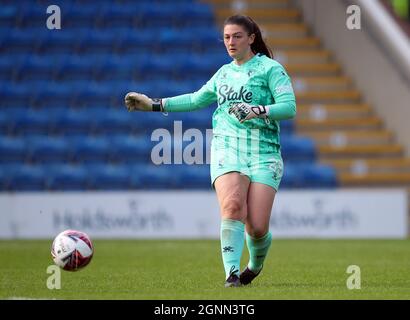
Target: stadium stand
(64,127)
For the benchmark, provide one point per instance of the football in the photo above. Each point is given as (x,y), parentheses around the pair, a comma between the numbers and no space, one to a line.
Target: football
(72,250)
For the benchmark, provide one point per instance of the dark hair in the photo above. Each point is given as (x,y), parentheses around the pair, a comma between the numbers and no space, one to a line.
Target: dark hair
(258,45)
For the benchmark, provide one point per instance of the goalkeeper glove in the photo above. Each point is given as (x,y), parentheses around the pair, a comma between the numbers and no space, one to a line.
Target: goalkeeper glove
(138,101)
(243,111)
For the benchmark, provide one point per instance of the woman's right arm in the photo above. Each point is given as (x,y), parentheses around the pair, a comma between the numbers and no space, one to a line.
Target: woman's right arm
(186,102)
(191,101)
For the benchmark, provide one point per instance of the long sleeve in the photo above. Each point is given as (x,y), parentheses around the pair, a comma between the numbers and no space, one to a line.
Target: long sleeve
(281,87)
(193,101)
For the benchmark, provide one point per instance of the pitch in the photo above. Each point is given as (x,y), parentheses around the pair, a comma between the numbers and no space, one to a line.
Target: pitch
(192,269)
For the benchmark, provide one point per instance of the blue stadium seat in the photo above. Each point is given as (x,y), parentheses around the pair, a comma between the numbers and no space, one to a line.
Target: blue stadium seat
(97,40)
(174,37)
(48,94)
(297,148)
(5,123)
(89,149)
(67,177)
(132,149)
(10,64)
(31,122)
(3,179)
(93,95)
(47,149)
(80,15)
(194,176)
(115,68)
(159,15)
(71,122)
(291,178)
(109,177)
(15,95)
(18,41)
(35,68)
(61,41)
(150,122)
(318,176)
(153,177)
(117,15)
(201,119)
(109,120)
(27,178)
(76,68)
(12,150)
(133,42)
(8,15)
(287,127)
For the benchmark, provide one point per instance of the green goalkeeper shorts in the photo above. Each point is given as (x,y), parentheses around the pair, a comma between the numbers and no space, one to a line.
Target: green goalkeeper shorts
(261,162)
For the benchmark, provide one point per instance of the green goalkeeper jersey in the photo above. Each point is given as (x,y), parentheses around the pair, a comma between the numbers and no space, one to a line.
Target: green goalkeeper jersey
(259,81)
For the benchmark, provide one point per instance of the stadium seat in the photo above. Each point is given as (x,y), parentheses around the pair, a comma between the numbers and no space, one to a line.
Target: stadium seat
(153,177)
(80,15)
(12,150)
(132,149)
(194,176)
(27,178)
(76,68)
(10,64)
(7,16)
(49,93)
(70,122)
(31,122)
(318,176)
(108,120)
(64,177)
(297,148)
(35,68)
(4,123)
(3,179)
(15,95)
(291,178)
(287,126)
(109,177)
(89,149)
(45,149)
(96,41)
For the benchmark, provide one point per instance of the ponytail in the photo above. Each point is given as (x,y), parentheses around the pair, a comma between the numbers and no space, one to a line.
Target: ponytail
(258,45)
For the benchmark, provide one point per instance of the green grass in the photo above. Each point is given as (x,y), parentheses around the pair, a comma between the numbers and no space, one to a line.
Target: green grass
(192,269)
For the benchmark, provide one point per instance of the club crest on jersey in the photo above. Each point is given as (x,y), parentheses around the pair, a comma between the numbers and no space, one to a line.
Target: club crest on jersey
(227,93)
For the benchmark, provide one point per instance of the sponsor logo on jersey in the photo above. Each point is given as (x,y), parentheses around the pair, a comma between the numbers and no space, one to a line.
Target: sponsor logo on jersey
(227,93)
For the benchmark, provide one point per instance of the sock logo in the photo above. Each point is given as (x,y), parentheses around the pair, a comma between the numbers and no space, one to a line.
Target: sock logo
(228,249)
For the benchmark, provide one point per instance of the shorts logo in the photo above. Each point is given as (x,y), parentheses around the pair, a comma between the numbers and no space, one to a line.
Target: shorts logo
(221,163)
(277,167)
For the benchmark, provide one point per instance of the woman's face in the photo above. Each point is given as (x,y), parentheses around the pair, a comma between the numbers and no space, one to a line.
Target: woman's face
(237,41)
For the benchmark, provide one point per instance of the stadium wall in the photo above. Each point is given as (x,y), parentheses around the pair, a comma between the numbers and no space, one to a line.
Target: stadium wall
(195,214)
(368,56)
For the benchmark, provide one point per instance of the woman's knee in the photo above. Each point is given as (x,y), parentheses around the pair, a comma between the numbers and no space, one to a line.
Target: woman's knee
(257,232)
(233,208)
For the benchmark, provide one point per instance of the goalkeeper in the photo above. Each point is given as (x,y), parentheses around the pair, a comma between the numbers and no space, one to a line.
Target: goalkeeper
(253,93)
